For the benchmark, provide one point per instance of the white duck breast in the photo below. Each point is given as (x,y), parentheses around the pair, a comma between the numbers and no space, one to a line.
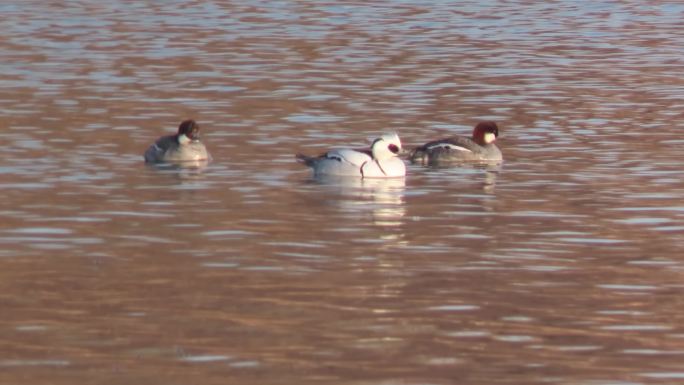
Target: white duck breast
(187,152)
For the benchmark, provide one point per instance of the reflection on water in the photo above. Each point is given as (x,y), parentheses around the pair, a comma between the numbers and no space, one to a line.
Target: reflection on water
(485,174)
(380,198)
(184,170)
(560,266)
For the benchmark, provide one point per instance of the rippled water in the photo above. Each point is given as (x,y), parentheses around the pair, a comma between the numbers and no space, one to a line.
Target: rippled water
(562,266)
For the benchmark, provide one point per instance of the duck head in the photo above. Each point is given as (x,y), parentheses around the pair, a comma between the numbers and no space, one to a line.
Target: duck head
(188,131)
(485,133)
(386,146)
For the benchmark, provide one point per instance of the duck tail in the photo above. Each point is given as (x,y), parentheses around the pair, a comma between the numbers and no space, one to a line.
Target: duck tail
(305,159)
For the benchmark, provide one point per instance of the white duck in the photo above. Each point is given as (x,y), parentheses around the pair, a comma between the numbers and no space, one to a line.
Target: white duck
(381,161)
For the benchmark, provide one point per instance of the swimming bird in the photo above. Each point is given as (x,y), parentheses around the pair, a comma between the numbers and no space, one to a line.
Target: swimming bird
(478,148)
(184,146)
(380,161)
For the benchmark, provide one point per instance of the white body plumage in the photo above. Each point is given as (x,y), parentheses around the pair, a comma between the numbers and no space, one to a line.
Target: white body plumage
(380,162)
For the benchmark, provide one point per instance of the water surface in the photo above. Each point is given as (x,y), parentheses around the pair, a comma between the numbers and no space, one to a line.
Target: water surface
(561,266)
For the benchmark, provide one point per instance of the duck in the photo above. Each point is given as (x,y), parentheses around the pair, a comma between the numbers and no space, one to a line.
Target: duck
(184,146)
(478,148)
(380,161)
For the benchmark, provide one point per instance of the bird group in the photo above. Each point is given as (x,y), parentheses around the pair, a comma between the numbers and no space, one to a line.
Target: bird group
(381,160)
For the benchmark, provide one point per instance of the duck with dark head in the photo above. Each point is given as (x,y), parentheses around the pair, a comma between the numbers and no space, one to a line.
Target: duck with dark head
(184,146)
(478,148)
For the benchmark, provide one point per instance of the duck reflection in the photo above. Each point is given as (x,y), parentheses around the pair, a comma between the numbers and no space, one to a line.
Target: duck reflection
(179,172)
(383,198)
(489,173)
(196,166)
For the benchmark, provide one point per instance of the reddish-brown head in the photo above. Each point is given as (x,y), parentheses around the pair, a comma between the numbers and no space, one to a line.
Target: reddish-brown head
(485,133)
(190,129)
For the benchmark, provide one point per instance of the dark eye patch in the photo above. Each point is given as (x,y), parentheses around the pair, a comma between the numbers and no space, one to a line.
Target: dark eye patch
(393,148)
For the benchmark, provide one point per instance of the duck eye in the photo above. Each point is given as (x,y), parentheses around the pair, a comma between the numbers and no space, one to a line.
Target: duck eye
(393,148)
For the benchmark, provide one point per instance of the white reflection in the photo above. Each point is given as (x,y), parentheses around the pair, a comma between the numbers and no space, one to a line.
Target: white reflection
(383,198)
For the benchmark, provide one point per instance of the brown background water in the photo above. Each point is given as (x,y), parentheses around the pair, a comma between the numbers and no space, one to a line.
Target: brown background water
(562,266)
